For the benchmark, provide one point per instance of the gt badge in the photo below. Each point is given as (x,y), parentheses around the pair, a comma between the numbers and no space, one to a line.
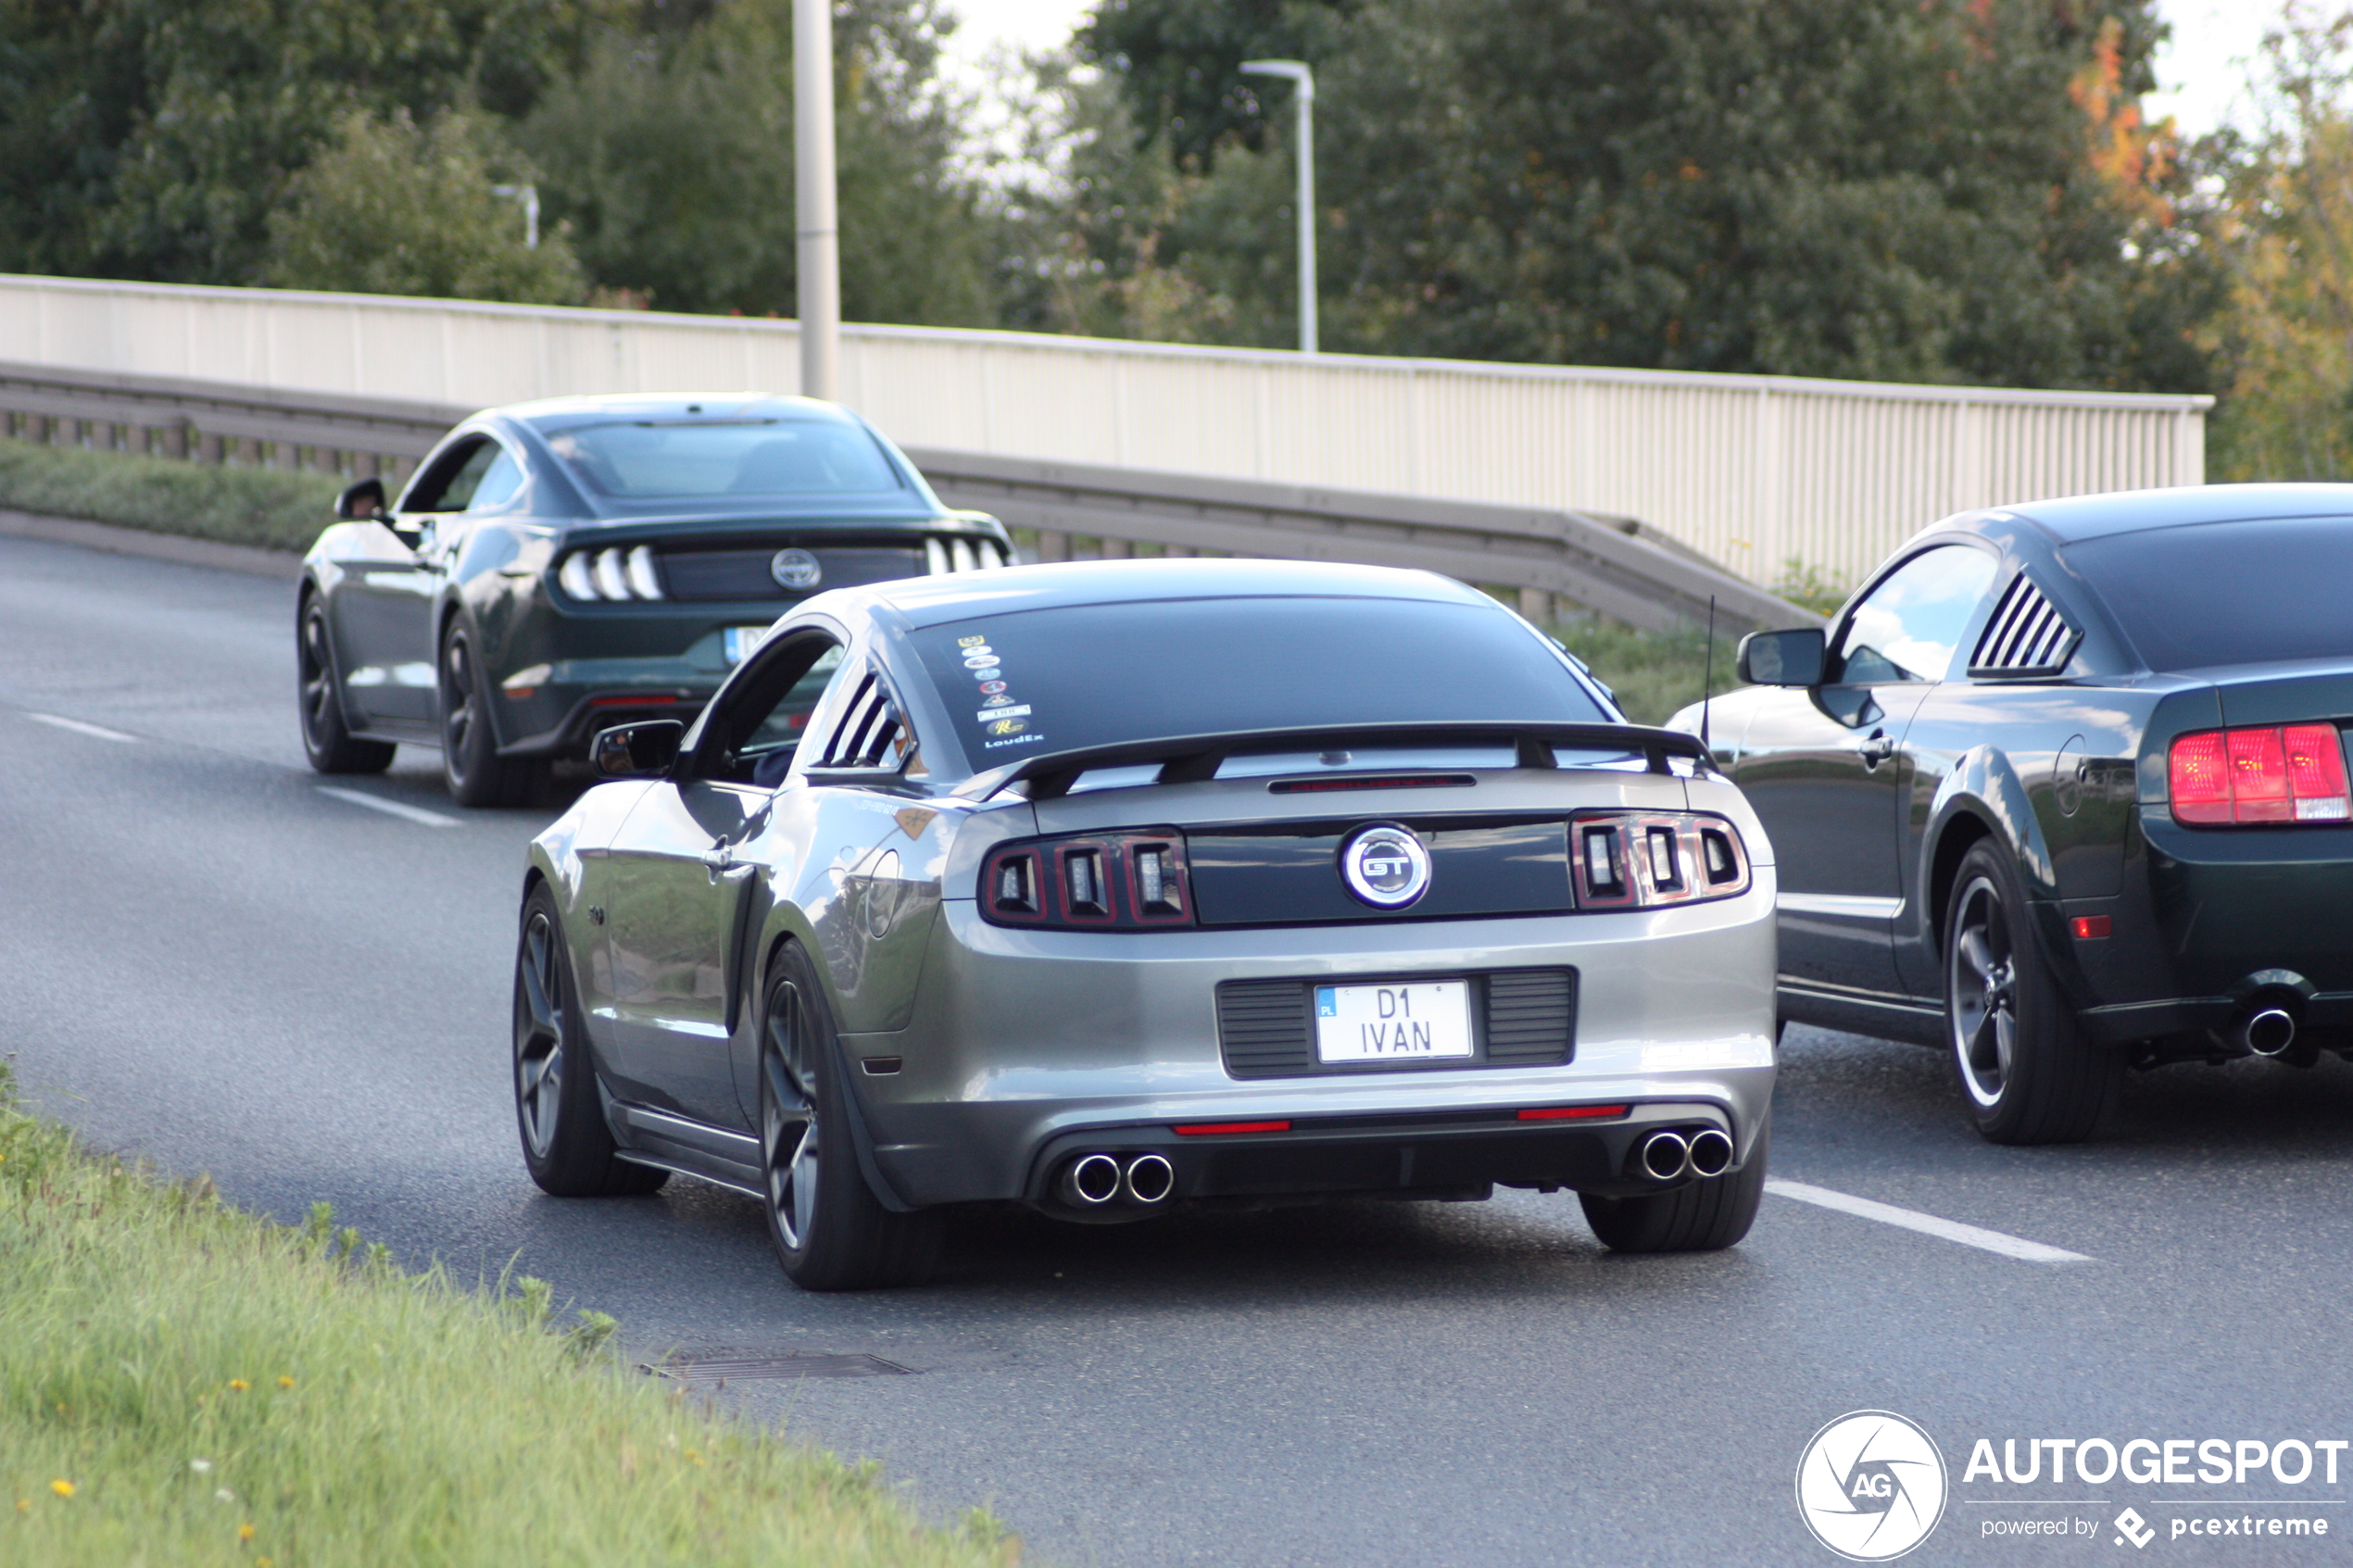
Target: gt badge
(796,568)
(1385,866)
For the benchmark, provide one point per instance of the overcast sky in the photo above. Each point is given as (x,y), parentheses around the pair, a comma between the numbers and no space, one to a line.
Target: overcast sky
(2204,69)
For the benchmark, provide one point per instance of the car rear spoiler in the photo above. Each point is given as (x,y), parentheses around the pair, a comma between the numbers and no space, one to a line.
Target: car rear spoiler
(1191,758)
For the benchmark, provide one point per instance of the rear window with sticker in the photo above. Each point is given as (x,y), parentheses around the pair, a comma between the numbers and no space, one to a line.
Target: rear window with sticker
(1070,678)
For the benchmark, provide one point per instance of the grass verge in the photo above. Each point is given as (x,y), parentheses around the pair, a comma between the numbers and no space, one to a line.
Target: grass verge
(185,1384)
(270,508)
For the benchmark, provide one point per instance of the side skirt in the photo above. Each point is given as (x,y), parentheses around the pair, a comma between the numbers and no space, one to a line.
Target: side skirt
(673,1143)
(1857,1012)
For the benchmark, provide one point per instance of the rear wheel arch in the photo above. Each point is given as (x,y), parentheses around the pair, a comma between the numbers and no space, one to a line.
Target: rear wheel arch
(1961,830)
(861,1137)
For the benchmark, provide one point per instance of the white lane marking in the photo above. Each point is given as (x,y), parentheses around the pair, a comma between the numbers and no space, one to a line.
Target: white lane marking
(1927,1225)
(78,727)
(378,803)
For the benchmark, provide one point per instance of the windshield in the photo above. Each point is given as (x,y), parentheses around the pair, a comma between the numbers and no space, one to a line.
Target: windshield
(2228,593)
(650,459)
(1061,680)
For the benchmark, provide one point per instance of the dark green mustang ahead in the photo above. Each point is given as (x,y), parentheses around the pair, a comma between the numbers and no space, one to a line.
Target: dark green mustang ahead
(554,568)
(2064,789)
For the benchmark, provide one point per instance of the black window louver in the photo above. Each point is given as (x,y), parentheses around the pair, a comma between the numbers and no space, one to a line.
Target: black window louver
(2027,635)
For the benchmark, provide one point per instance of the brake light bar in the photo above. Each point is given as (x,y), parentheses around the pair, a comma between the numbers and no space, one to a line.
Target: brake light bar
(2257,776)
(1219,1129)
(1572,1113)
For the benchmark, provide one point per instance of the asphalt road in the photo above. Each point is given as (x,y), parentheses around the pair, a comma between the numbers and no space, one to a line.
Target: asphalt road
(207,959)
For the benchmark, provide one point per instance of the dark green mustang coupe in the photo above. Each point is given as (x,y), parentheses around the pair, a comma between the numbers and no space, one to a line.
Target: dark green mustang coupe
(554,568)
(2064,789)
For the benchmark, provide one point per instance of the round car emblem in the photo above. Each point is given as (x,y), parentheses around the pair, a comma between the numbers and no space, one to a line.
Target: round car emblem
(1385,866)
(796,568)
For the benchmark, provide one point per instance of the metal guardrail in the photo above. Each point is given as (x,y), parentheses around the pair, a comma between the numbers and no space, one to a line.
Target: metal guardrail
(1548,560)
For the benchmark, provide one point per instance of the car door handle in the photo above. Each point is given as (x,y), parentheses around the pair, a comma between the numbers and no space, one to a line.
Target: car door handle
(719,861)
(1877,750)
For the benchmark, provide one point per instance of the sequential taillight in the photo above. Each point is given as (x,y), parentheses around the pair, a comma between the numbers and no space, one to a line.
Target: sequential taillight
(1634,860)
(1098,882)
(2251,777)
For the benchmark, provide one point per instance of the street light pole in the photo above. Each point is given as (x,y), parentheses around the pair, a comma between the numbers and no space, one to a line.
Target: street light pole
(820,241)
(1303,99)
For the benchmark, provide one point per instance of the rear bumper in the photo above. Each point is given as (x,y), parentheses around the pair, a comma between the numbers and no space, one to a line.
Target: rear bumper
(1027,1046)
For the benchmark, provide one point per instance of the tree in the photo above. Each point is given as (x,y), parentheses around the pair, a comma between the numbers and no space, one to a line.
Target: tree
(2285,225)
(673,159)
(1920,190)
(393,207)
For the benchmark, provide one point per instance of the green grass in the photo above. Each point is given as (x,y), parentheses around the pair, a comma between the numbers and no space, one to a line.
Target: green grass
(271,509)
(1652,672)
(185,1384)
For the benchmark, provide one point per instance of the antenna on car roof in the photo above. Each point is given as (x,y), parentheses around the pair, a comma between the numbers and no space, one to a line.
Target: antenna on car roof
(1708,677)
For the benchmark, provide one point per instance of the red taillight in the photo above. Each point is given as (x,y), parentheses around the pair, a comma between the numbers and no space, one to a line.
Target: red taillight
(2294,773)
(1218,1129)
(2091,928)
(1571,1113)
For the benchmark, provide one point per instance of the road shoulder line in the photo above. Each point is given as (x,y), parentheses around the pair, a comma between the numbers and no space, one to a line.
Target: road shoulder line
(378,803)
(1927,1225)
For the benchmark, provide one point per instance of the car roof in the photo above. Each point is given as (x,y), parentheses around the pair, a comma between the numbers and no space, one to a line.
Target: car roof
(2081,517)
(552,414)
(928,601)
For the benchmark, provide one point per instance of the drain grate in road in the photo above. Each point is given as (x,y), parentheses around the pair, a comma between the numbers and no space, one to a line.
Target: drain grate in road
(737,1367)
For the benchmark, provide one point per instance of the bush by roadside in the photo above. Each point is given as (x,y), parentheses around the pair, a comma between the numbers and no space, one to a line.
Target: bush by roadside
(182,1383)
(1652,672)
(271,509)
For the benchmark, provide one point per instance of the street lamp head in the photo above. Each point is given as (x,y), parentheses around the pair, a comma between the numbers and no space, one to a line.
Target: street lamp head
(1296,70)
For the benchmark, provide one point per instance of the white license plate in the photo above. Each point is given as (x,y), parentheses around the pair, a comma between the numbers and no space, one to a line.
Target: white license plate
(742,640)
(1425,1020)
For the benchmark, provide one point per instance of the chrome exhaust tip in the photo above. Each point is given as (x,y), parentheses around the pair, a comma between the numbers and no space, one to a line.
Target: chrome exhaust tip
(1711,1153)
(2269,1032)
(1090,1180)
(1149,1179)
(1664,1156)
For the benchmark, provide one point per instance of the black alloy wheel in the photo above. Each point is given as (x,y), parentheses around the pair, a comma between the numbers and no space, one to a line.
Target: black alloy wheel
(476,775)
(830,1231)
(2027,1070)
(566,1144)
(325,739)
(1705,1214)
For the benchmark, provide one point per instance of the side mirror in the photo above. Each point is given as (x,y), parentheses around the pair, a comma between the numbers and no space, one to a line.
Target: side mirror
(1784,658)
(637,751)
(361,501)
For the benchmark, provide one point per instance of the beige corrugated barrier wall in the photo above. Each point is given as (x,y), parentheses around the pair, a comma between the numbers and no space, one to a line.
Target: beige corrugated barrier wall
(1749,470)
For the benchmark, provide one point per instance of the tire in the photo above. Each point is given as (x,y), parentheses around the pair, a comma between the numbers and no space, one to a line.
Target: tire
(476,775)
(2028,1073)
(566,1144)
(325,739)
(830,1231)
(1706,1215)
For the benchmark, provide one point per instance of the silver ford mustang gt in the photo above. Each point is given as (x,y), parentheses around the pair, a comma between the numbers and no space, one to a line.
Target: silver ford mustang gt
(1112,886)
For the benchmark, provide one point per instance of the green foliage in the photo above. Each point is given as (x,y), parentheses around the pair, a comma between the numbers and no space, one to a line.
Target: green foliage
(1652,672)
(2285,224)
(392,207)
(673,160)
(1923,190)
(271,509)
(183,1383)
(154,137)
(1812,588)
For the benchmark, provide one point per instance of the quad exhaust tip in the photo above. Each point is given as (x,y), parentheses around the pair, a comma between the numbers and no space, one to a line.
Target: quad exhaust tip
(1148,1179)
(1711,1153)
(1092,1180)
(1664,1156)
(2269,1032)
